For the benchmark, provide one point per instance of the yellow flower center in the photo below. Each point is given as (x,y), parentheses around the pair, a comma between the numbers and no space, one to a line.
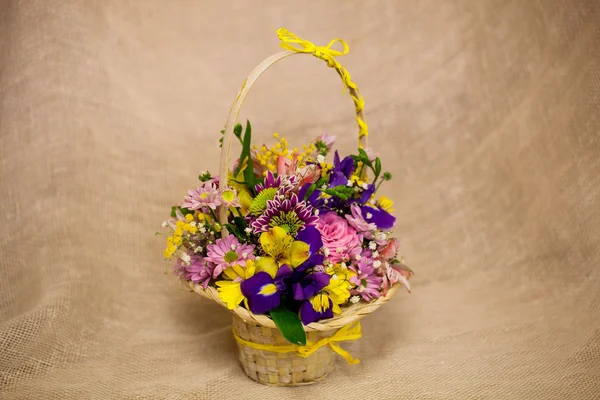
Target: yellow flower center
(228,196)
(268,289)
(230,256)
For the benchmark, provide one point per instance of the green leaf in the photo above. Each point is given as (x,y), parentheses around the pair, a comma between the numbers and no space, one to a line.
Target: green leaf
(289,324)
(240,223)
(364,157)
(245,151)
(377,166)
(333,192)
(186,211)
(173,211)
(309,191)
(344,189)
(234,230)
(249,176)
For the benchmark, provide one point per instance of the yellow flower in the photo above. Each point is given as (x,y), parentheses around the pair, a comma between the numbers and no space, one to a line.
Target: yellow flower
(320,303)
(242,191)
(339,286)
(230,290)
(281,249)
(189,217)
(386,203)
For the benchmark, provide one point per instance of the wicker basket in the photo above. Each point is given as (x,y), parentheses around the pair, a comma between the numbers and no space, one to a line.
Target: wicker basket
(291,367)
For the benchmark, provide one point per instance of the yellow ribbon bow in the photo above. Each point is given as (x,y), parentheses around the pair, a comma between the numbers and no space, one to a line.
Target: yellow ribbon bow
(348,332)
(325,53)
(292,42)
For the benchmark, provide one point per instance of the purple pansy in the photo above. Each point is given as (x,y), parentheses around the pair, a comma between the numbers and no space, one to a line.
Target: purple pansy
(310,285)
(315,304)
(320,307)
(263,291)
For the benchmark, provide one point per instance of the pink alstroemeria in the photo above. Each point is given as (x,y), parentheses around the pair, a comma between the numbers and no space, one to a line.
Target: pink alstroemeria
(285,166)
(389,249)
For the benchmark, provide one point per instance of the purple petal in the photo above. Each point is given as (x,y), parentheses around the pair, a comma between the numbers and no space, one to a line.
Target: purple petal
(311,285)
(312,237)
(253,285)
(366,195)
(337,178)
(308,313)
(283,274)
(381,218)
(303,190)
(347,166)
(260,303)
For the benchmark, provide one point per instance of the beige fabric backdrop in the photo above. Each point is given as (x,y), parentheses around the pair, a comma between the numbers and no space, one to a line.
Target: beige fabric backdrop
(486,112)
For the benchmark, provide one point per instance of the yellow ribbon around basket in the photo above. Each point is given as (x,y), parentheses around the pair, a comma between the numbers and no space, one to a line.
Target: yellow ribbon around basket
(348,332)
(294,43)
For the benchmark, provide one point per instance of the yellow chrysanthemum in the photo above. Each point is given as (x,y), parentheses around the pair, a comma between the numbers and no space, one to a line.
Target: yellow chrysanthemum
(230,289)
(386,203)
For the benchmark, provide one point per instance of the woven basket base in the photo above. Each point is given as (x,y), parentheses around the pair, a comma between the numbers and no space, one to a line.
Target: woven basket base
(282,369)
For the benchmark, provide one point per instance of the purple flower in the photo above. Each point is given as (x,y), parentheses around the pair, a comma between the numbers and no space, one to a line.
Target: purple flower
(366,194)
(227,252)
(264,291)
(366,281)
(341,171)
(197,270)
(381,218)
(270,181)
(317,308)
(290,214)
(311,236)
(310,285)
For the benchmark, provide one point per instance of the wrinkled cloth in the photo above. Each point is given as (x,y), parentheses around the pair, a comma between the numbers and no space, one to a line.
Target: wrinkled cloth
(485,112)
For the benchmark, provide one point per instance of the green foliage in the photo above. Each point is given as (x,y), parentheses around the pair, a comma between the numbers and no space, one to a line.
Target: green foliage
(289,324)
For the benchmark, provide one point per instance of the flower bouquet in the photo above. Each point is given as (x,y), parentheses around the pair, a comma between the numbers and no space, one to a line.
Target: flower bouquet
(297,247)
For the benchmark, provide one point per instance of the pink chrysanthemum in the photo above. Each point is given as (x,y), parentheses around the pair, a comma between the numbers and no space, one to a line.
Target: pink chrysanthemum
(368,284)
(197,270)
(227,252)
(207,195)
(357,221)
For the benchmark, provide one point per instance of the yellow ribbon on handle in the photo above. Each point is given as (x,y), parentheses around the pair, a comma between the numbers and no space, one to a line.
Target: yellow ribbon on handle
(348,332)
(292,42)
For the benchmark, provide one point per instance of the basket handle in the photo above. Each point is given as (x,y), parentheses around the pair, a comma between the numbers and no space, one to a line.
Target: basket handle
(294,45)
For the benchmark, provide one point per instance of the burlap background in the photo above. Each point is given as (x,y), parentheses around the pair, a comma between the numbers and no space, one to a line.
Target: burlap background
(486,113)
